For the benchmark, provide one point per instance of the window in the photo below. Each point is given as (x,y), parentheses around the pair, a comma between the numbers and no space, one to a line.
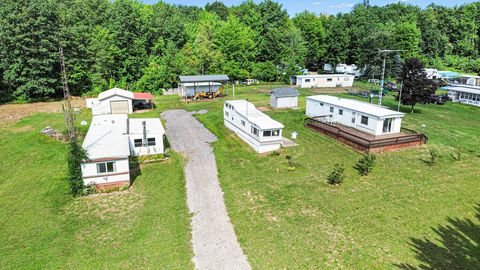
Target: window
(331,109)
(387,125)
(321,104)
(226,114)
(137,142)
(243,122)
(105,167)
(151,141)
(307,80)
(267,133)
(255,131)
(329,79)
(354,117)
(340,111)
(364,120)
(275,132)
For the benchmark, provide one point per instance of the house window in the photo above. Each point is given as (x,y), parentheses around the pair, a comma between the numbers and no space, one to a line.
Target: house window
(275,132)
(226,113)
(331,109)
(267,133)
(255,131)
(243,122)
(354,117)
(364,120)
(321,104)
(307,80)
(329,79)
(151,141)
(105,167)
(137,142)
(340,111)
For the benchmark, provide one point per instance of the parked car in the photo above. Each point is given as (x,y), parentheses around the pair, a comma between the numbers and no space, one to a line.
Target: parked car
(391,86)
(439,99)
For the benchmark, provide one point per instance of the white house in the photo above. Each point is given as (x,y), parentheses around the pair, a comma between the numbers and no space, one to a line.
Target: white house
(117,100)
(109,142)
(254,127)
(324,80)
(465,94)
(284,98)
(363,116)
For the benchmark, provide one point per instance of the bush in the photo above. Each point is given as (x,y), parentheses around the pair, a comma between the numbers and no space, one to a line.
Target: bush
(365,164)
(337,175)
(433,155)
(75,156)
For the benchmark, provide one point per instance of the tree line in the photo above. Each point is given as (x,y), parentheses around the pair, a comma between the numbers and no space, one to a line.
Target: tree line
(144,47)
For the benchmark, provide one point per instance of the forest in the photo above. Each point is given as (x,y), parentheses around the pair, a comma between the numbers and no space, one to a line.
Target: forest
(142,47)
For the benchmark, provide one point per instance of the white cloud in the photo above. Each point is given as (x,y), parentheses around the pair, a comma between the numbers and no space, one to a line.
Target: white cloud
(342,5)
(318,3)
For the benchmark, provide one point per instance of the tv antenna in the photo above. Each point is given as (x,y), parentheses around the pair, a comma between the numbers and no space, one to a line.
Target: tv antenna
(382,83)
(67,105)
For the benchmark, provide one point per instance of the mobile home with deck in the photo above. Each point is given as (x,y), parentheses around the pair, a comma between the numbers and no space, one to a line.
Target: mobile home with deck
(257,129)
(360,115)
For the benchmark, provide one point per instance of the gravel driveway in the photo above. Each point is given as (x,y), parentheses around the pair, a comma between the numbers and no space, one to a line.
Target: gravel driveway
(214,242)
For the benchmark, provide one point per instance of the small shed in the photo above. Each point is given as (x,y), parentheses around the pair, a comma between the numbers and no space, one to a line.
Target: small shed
(284,98)
(119,101)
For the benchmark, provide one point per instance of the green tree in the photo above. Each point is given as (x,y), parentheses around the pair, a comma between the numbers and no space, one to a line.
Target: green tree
(416,86)
(75,157)
(406,37)
(337,40)
(313,34)
(218,8)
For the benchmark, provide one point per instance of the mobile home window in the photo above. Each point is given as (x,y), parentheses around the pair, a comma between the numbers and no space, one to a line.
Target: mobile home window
(243,122)
(340,111)
(364,120)
(275,132)
(331,109)
(226,113)
(255,131)
(106,167)
(329,79)
(307,80)
(151,141)
(267,133)
(137,142)
(321,104)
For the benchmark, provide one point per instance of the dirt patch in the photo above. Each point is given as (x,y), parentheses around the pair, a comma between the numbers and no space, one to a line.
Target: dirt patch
(263,109)
(11,113)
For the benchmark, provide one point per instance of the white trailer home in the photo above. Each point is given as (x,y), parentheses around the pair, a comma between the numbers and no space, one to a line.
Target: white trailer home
(118,101)
(465,94)
(109,142)
(284,98)
(360,115)
(254,127)
(324,80)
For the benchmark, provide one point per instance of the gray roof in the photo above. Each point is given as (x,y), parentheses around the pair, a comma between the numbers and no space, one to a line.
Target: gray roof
(284,92)
(204,78)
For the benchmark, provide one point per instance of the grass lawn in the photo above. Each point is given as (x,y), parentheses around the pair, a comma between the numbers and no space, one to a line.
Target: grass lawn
(295,220)
(42,227)
(405,213)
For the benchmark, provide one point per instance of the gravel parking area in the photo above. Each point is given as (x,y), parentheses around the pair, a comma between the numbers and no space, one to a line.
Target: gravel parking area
(214,242)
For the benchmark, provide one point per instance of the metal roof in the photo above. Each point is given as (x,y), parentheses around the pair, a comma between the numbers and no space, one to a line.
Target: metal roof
(463,88)
(204,78)
(284,92)
(115,92)
(154,126)
(253,115)
(356,105)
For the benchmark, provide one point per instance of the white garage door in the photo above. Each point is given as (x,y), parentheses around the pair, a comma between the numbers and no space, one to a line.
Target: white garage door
(119,106)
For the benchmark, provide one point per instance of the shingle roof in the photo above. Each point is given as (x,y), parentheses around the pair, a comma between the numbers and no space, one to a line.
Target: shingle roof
(204,78)
(284,92)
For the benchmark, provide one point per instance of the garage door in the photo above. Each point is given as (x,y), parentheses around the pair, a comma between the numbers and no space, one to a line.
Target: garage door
(119,106)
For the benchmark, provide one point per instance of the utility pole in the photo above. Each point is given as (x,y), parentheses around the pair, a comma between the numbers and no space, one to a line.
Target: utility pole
(400,96)
(384,52)
(67,106)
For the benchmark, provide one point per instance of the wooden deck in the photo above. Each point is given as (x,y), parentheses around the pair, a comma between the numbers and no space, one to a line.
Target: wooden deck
(368,142)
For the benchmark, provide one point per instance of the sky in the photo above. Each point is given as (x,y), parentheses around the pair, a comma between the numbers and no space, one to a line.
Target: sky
(318,6)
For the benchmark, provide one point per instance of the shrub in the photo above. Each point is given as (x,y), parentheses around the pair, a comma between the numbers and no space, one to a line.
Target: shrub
(433,155)
(289,158)
(76,155)
(337,175)
(274,153)
(365,164)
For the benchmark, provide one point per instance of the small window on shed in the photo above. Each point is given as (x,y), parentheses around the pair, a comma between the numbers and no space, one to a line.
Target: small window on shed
(364,120)
(137,142)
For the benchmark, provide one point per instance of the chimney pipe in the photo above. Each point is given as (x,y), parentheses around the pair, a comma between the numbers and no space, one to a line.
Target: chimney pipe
(144,124)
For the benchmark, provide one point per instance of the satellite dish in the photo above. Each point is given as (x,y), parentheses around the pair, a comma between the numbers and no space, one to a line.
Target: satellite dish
(83,123)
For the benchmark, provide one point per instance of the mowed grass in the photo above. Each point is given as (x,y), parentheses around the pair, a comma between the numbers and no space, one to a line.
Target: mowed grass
(295,220)
(43,227)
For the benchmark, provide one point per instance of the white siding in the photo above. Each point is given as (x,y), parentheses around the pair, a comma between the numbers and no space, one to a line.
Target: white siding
(283,102)
(350,117)
(103,107)
(90,169)
(147,150)
(325,81)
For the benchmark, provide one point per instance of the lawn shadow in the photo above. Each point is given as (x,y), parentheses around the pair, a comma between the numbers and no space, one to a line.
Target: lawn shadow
(455,247)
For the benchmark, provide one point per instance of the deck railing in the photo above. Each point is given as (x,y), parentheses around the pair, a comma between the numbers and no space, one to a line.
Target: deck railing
(336,132)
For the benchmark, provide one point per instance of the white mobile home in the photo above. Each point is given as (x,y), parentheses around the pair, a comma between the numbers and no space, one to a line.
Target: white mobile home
(109,142)
(360,115)
(284,98)
(465,94)
(254,127)
(324,80)
(119,101)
